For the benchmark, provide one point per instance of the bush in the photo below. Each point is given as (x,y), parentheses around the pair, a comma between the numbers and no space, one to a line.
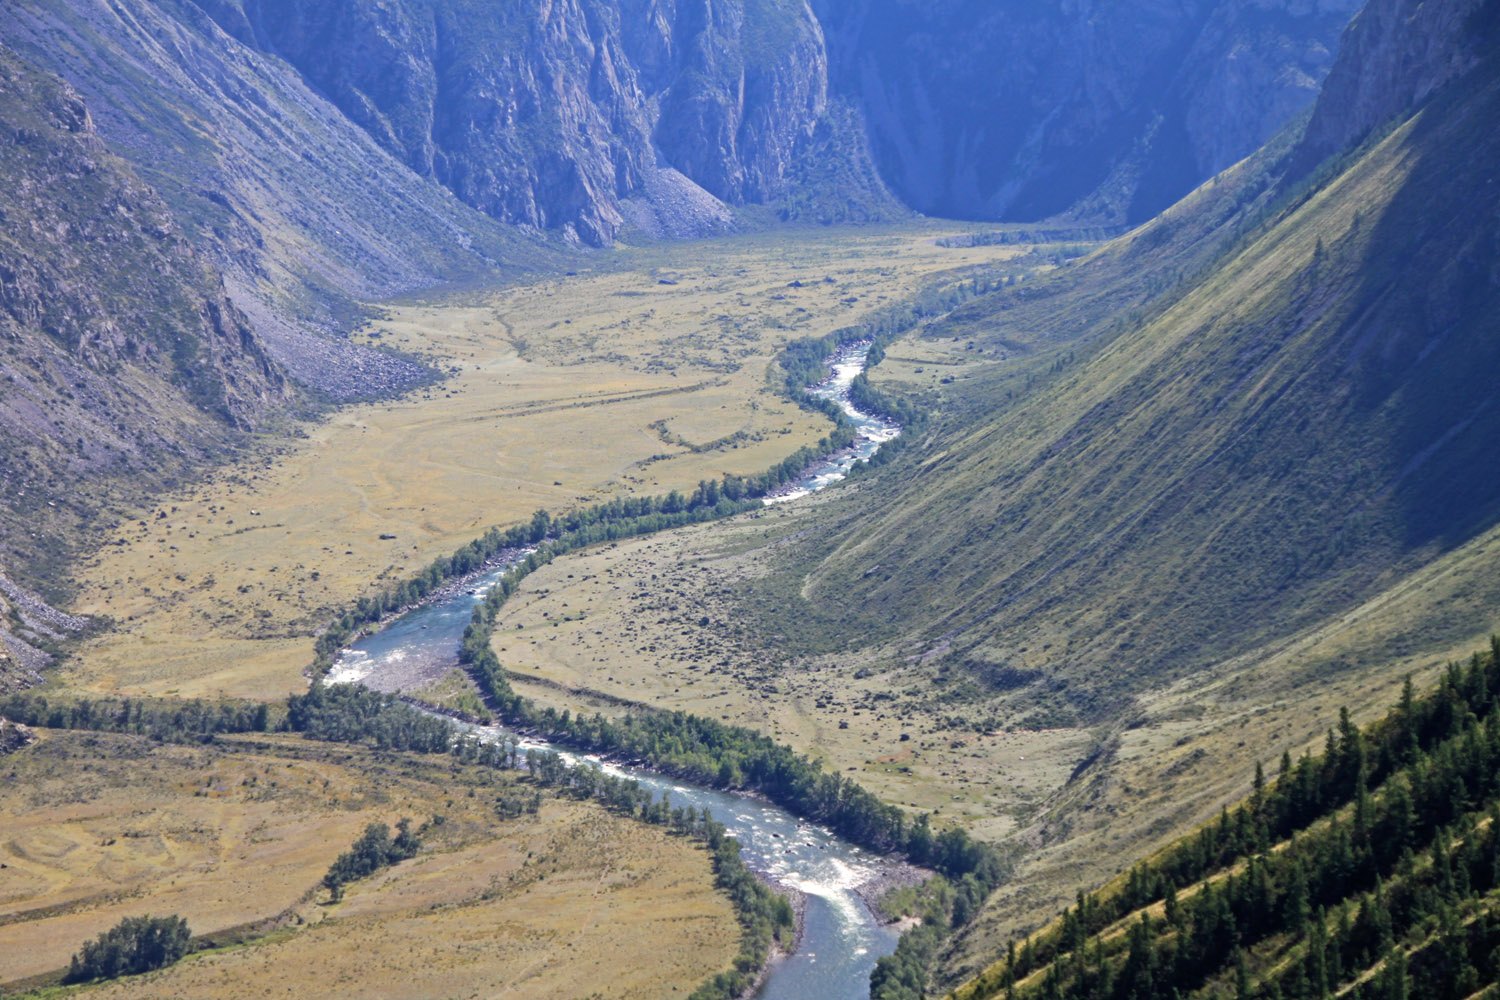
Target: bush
(374,850)
(133,946)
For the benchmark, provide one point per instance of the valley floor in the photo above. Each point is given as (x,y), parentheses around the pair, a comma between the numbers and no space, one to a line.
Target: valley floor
(235,837)
(645,376)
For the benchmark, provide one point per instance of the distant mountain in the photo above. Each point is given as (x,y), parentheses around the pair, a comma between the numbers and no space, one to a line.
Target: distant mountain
(121,355)
(596,115)
(665,117)
(588,116)
(1003,109)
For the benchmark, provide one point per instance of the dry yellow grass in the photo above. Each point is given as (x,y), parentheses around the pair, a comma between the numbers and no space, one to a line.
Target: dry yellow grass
(99,827)
(576,904)
(564,392)
(625,623)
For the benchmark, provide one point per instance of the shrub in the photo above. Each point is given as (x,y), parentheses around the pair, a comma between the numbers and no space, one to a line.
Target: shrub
(134,945)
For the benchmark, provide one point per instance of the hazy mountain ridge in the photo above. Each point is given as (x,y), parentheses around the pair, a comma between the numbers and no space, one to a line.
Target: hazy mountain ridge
(998,111)
(591,117)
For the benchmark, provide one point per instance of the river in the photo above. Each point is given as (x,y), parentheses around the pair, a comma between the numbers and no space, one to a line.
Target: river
(841,938)
(871,431)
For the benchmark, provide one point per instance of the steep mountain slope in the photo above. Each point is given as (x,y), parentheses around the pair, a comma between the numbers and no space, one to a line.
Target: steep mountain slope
(304,213)
(979,109)
(584,115)
(596,117)
(121,356)
(1367,872)
(1306,420)
(1235,462)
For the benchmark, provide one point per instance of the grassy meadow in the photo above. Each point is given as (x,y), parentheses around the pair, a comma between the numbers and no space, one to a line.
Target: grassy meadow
(235,837)
(647,375)
(662,621)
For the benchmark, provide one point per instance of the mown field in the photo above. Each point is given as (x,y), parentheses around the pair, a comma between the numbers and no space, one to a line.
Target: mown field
(236,836)
(639,378)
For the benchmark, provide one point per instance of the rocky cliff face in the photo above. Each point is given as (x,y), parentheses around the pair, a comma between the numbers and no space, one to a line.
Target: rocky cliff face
(1008,110)
(588,117)
(1395,55)
(557,115)
(120,352)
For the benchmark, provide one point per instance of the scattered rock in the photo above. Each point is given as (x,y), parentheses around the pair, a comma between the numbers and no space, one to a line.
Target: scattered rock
(14,736)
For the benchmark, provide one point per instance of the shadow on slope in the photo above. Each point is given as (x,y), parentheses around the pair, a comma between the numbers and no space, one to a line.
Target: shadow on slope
(1268,441)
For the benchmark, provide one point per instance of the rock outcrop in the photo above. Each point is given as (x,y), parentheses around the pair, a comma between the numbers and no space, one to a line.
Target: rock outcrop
(14,736)
(590,117)
(1394,56)
(554,115)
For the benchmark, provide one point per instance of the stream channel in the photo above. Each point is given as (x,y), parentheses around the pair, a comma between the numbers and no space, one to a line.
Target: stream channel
(841,938)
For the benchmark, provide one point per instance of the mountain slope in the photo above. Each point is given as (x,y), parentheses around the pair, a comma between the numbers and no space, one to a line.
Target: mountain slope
(989,110)
(583,116)
(307,217)
(121,355)
(1366,872)
(1396,55)
(1167,499)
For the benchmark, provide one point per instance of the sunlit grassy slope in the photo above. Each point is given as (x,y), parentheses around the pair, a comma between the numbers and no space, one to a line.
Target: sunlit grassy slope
(1307,424)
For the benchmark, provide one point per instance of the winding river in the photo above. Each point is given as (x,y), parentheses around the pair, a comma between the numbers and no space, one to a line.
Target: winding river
(841,938)
(871,431)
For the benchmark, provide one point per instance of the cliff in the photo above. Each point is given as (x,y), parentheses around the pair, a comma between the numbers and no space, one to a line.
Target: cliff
(1395,55)
(574,115)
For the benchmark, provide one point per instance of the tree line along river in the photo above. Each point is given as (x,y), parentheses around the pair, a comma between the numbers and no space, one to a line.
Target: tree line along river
(841,937)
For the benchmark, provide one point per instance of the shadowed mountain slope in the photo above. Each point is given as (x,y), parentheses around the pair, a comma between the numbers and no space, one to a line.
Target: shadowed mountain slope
(1111,111)
(121,356)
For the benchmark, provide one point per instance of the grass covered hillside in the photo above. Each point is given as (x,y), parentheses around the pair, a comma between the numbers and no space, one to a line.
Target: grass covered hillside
(1369,871)
(1301,426)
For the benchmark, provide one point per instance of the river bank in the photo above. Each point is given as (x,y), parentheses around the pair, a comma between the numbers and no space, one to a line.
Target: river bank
(833,884)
